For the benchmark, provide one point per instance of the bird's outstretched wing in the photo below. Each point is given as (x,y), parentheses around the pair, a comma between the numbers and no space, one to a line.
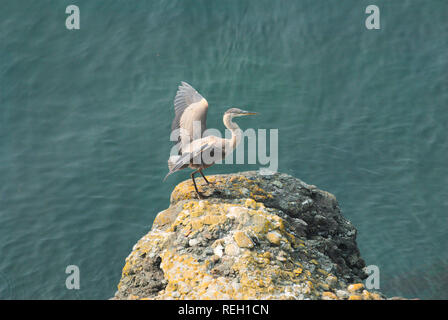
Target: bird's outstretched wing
(189,106)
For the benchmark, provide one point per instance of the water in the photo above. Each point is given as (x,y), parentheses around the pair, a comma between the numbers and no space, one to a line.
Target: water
(85,117)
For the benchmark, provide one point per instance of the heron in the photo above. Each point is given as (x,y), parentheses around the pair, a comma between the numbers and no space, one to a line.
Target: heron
(195,151)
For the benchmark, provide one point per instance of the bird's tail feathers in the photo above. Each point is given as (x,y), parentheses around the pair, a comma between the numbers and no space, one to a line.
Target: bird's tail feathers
(167,175)
(172,162)
(175,163)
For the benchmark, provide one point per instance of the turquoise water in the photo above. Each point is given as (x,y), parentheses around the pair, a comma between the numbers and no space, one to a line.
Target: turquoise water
(85,118)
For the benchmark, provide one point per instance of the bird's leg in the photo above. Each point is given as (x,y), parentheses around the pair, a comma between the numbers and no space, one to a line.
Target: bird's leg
(202,174)
(195,187)
(212,184)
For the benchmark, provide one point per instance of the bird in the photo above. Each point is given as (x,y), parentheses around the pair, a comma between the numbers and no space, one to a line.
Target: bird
(195,151)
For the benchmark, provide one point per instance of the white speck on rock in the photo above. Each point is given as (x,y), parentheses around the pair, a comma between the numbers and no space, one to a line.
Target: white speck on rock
(218,250)
(193,242)
(307,202)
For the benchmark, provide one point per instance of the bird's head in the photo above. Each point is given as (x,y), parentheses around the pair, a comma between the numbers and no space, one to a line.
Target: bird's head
(235,112)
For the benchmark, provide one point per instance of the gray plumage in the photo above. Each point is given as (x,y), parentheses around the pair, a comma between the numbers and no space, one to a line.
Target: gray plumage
(195,151)
(186,97)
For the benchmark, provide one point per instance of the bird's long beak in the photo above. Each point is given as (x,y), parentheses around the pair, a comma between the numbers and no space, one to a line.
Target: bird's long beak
(247,113)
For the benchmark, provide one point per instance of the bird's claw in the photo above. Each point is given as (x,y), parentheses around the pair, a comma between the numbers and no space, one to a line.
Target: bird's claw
(201,196)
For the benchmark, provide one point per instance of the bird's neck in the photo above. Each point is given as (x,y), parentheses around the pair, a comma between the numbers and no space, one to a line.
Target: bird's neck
(234,129)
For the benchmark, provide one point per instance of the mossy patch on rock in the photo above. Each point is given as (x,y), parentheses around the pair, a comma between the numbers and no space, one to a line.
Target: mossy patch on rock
(254,237)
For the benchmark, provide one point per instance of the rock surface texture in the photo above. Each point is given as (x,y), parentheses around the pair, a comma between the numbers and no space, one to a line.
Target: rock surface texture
(254,237)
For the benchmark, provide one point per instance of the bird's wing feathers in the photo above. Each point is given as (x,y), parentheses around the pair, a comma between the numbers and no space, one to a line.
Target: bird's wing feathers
(187,96)
(186,158)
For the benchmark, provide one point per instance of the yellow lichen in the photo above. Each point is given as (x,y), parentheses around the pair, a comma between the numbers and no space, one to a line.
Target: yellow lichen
(375,296)
(185,190)
(242,240)
(298,271)
(274,237)
(327,295)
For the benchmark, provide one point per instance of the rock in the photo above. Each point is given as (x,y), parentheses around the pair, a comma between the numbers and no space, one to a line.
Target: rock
(215,258)
(331,280)
(254,237)
(218,251)
(243,240)
(355,287)
(327,295)
(232,249)
(277,183)
(193,242)
(342,294)
(274,237)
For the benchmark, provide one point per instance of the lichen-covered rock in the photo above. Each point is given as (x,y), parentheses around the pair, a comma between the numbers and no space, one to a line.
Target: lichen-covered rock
(254,237)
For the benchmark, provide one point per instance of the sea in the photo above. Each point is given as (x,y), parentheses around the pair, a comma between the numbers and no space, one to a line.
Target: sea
(358,96)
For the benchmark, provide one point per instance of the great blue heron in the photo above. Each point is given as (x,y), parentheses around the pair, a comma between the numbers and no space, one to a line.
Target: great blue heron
(195,151)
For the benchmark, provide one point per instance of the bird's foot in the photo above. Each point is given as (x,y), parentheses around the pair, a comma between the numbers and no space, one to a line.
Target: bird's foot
(201,195)
(210,183)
